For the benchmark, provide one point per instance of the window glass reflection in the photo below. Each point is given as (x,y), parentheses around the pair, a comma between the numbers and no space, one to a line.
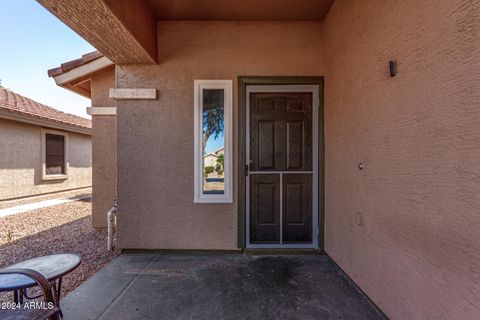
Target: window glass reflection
(213,141)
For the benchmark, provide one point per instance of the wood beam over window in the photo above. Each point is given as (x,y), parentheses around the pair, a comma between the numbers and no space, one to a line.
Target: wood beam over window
(124,31)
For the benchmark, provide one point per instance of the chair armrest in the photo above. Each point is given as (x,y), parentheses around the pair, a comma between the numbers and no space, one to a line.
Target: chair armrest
(38,278)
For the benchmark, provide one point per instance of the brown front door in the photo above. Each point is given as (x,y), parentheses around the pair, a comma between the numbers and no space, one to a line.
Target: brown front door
(280,174)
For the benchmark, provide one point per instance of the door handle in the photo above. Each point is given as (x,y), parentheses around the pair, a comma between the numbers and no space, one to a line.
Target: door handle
(246,170)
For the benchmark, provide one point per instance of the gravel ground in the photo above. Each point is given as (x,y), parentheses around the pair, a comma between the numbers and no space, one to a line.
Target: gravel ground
(65,228)
(60,195)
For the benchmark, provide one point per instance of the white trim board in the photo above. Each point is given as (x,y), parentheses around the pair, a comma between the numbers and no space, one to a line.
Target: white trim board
(83,70)
(132,93)
(102,111)
(315,90)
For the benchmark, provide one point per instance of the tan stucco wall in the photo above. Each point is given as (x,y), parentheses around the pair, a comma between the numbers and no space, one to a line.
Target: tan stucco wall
(155,158)
(417,254)
(21,162)
(104,149)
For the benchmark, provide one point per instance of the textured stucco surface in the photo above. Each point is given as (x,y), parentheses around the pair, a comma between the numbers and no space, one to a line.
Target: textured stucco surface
(104,149)
(417,254)
(155,157)
(21,162)
(122,30)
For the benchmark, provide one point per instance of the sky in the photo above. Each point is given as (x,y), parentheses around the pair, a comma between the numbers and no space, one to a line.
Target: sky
(214,144)
(33,41)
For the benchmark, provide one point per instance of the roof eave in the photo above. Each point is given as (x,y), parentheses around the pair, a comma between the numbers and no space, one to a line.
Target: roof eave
(82,70)
(69,79)
(40,121)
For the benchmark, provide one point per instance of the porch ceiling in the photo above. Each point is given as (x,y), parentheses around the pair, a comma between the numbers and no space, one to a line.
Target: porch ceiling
(126,31)
(245,10)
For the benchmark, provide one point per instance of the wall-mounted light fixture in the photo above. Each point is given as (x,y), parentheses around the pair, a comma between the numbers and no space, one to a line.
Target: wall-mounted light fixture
(393,68)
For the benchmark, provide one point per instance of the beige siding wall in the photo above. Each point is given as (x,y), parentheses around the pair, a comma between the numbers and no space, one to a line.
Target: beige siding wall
(155,158)
(104,149)
(21,162)
(417,254)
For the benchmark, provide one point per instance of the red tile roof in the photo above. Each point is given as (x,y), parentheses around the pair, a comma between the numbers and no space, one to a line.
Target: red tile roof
(21,105)
(67,66)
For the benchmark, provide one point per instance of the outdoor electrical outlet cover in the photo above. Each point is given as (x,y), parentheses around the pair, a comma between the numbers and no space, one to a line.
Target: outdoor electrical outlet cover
(359,219)
(393,68)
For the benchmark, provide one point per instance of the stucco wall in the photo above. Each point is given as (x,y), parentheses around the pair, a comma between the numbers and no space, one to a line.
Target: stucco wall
(21,162)
(417,254)
(155,158)
(104,149)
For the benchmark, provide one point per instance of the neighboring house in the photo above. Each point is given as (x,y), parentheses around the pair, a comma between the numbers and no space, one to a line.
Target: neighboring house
(351,127)
(210,160)
(219,151)
(43,150)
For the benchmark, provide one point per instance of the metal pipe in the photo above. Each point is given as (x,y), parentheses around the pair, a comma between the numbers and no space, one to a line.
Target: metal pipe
(112,227)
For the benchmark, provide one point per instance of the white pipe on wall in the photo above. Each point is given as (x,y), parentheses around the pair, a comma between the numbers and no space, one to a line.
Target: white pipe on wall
(112,227)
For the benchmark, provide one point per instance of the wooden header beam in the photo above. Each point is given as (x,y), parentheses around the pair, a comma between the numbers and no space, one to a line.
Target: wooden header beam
(124,31)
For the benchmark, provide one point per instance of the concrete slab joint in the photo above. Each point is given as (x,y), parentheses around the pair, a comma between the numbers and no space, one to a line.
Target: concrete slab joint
(133,94)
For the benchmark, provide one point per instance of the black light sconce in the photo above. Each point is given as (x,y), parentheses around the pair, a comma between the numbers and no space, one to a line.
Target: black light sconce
(393,68)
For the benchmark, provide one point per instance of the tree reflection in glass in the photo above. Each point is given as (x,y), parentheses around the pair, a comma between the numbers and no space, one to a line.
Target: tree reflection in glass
(213,141)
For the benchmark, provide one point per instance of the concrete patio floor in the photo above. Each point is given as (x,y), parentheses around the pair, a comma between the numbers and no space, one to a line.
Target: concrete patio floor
(218,286)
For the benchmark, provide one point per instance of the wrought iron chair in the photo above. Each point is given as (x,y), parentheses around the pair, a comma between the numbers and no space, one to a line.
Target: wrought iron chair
(52,308)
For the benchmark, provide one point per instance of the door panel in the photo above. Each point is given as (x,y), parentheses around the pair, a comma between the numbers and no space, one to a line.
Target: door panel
(281,127)
(294,144)
(265,208)
(280,144)
(297,208)
(266,144)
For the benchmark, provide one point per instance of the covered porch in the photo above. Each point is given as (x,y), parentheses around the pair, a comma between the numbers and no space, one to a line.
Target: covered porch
(362,135)
(219,286)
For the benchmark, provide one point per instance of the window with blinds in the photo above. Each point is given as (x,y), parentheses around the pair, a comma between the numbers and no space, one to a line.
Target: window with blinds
(54,154)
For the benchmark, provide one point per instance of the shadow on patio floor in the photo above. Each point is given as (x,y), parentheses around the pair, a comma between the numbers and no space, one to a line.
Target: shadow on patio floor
(227,286)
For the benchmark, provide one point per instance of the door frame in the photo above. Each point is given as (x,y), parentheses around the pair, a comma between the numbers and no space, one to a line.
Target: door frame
(319,156)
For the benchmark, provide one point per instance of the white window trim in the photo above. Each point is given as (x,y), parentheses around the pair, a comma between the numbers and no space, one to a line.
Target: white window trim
(199,196)
(46,176)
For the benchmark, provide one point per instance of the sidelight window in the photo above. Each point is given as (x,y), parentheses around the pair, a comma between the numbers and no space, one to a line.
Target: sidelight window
(213,141)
